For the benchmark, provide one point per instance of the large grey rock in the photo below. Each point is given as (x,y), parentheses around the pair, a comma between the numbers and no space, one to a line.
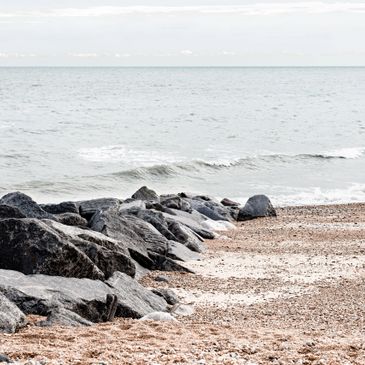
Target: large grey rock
(11,317)
(42,294)
(134,300)
(31,246)
(7,211)
(164,263)
(177,251)
(175,202)
(192,220)
(107,254)
(257,206)
(26,205)
(64,207)
(64,317)
(229,203)
(144,193)
(168,294)
(89,207)
(210,209)
(138,236)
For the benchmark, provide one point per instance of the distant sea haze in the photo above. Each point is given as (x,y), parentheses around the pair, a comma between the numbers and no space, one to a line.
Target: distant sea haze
(295,134)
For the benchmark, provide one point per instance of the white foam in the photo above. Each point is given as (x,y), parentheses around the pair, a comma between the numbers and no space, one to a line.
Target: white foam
(121,153)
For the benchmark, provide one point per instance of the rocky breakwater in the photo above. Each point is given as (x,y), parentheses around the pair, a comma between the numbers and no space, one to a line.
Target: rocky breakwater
(78,263)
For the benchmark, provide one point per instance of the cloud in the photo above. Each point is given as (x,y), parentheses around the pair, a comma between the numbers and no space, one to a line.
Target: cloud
(84,55)
(246,10)
(186,52)
(16,55)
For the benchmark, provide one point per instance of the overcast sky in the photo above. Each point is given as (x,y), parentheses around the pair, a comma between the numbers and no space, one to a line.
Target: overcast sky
(173,33)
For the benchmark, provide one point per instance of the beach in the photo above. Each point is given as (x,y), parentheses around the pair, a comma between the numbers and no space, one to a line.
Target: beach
(285,290)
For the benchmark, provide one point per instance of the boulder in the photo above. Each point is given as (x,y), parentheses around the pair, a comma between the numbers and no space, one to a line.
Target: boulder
(168,294)
(42,294)
(89,207)
(257,206)
(71,219)
(11,317)
(177,251)
(31,246)
(144,193)
(164,263)
(211,209)
(175,202)
(64,207)
(7,211)
(26,205)
(107,254)
(229,203)
(135,301)
(192,220)
(64,317)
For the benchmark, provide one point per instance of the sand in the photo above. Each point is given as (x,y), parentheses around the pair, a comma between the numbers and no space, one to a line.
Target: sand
(289,290)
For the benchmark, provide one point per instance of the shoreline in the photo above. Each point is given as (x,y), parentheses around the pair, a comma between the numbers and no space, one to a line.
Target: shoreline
(296,294)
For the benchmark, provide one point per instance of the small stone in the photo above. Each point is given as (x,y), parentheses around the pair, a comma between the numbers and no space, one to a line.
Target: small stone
(162,278)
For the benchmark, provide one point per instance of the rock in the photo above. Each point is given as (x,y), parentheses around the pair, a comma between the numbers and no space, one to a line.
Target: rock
(145,194)
(162,278)
(133,299)
(132,204)
(11,317)
(183,310)
(89,207)
(64,317)
(192,220)
(170,297)
(257,206)
(138,236)
(159,316)
(164,263)
(185,235)
(177,251)
(93,300)
(71,219)
(106,253)
(7,211)
(211,210)
(26,205)
(229,203)
(175,202)
(64,207)
(4,358)
(31,246)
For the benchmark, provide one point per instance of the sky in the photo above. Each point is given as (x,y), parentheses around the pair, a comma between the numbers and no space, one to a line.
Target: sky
(182,33)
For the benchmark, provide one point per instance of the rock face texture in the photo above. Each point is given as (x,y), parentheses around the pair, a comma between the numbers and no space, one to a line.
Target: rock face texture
(11,317)
(26,205)
(7,211)
(257,206)
(145,194)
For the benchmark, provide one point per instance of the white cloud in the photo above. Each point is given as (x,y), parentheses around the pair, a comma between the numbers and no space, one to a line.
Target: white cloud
(16,55)
(248,10)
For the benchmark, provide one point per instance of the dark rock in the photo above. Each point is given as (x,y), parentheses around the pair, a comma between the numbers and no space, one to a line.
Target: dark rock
(138,236)
(177,251)
(7,211)
(64,317)
(186,236)
(234,212)
(175,202)
(31,246)
(4,358)
(26,205)
(133,299)
(193,220)
(11,317)
(64,207)
(169,295)
(93,300)
(257,206)
(89,207)
(210,209)
(162,278)
(164,263)
(145,194)
(229,203)
(71,219)
(107,254)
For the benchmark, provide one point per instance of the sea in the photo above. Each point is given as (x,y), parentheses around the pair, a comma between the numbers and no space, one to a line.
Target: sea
(294,134)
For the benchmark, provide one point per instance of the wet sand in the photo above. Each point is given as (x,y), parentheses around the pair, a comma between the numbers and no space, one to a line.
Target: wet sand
(286,290)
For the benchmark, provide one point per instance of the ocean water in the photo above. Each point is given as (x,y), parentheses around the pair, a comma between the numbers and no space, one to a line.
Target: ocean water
(295,134)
